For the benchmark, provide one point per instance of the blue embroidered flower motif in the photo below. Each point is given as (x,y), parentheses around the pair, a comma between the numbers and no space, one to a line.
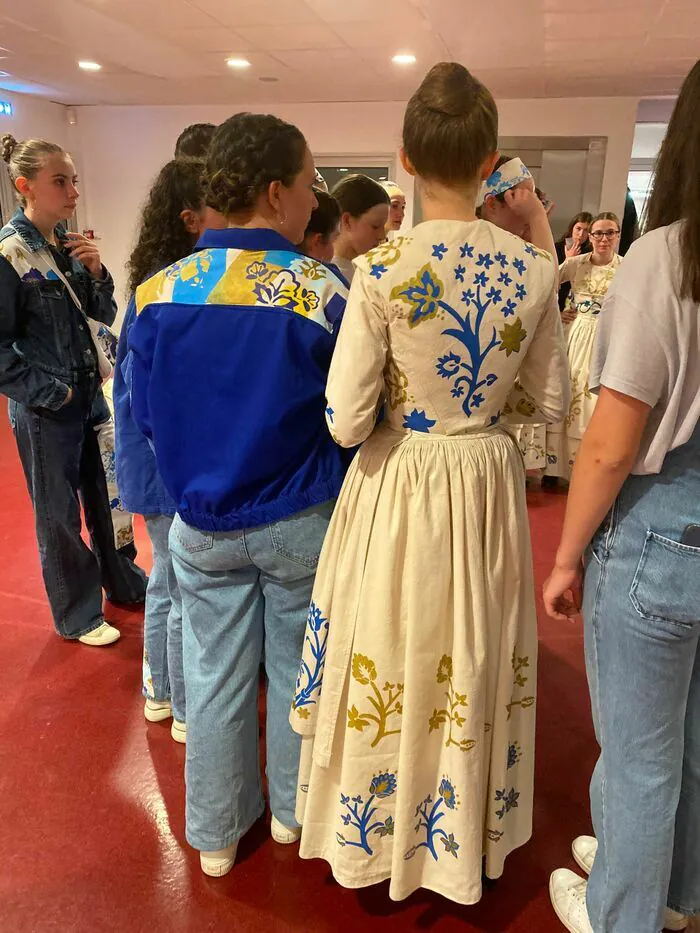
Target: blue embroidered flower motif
(495,419)
(457,391)
(477,400)
(529,249)
(491,378)
(520,291)
(509,308)
(346,819)
(344,800)
(378,270)
(447,792)
(481,279)
(520,266)
(310,679)
(466,251)
(494,179)
(495,295)
(418,421)
(468,296)
(439,250)
(505,279)
(423,292)
(501,259)
(459,273)
(485,260)
(448,365)
(383,785)
(514,755)
(509,800)
(451,845)
(330,413)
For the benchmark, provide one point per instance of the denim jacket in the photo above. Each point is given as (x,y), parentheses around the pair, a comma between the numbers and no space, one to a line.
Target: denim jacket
(45,341)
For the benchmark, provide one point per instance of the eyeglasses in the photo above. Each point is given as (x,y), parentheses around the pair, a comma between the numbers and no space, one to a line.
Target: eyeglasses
(607,234)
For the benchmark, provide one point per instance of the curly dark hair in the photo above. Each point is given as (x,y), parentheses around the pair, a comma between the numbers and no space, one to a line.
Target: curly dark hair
(248,152)
(194,141)
(163,238)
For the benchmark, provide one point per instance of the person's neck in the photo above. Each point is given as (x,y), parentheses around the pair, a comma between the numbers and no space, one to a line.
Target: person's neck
(255,221)
(601,260)
(345,249)
(45,225)
(442,203)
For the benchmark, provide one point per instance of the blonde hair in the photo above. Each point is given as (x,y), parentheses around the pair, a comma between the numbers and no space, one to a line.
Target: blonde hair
(25,159)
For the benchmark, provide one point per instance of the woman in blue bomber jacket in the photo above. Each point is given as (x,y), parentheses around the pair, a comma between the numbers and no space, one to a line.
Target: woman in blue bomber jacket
(53,291)
(228,360)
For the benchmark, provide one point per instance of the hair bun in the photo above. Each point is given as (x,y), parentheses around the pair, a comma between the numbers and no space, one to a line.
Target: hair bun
(449,89)
(228,192)
(8,144)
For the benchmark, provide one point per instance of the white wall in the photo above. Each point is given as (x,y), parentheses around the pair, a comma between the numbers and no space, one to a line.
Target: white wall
(123,147)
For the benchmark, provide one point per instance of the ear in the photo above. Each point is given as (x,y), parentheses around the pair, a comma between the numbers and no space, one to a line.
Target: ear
(345,221)
(406,162)
(489,165)
(22,185)
(273,195)
(190,220)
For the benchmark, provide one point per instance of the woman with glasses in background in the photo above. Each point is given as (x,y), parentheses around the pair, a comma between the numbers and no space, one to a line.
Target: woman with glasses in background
(590,276)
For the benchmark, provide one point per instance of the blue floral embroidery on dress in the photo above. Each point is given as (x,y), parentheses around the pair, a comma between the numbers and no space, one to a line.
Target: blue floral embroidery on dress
(468,296)
(508,799)
(502,260)
(378,270)
(466,251)
(418,421)
(423,292)
(448,365)
(520,266)
(381,786)
(520,291)
(485,260)
(330,413)
(529,249)
(481,279)
(459,273)
(428,818)
(439,250)
(495,419)
(514,754)
(505,279)
(508,308)
(495,294)
(311,677)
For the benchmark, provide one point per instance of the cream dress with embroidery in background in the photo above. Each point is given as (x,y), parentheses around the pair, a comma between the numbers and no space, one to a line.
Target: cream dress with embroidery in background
(589,286)
(416,692)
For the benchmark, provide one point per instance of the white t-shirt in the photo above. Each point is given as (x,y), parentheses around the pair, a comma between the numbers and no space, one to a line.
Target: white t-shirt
(648,345)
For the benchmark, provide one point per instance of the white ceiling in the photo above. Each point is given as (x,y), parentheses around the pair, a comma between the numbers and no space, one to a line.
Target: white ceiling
(174,51)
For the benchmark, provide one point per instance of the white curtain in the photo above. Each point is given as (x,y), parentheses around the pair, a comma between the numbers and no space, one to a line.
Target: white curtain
(8,201)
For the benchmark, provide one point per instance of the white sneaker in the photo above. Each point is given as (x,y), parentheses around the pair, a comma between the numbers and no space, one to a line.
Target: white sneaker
(157,710)
(567,891)
(104,634)
(178,731)
(219,863)
(584,850)
(283,834)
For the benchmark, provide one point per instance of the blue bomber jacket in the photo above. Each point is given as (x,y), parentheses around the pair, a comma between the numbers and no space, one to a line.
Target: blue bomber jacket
(228,358)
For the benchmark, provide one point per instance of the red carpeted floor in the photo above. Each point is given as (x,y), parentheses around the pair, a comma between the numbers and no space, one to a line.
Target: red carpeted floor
(92,803)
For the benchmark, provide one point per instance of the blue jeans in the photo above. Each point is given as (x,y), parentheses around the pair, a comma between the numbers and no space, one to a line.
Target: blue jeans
(163,678)
(642,627)
(63,467)
(238,589)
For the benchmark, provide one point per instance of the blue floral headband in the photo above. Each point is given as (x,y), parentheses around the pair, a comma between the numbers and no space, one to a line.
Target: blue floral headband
(503,179)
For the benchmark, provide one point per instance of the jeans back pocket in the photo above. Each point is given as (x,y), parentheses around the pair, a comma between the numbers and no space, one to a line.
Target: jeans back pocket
(300,537)
(666,586)
(191,538)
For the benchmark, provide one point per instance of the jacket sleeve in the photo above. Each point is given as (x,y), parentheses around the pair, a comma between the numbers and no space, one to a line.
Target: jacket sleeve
(356,377)
(136,368)
(20,380)
(101,304)
(542,393)
(122,364)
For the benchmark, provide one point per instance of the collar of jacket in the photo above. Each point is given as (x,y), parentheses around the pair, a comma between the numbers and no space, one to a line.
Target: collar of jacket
(25,229)
(258,239)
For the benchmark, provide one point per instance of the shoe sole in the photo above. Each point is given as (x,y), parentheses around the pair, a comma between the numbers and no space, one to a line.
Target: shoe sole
(100,644)
(217,871)
(156,715)
(178,735)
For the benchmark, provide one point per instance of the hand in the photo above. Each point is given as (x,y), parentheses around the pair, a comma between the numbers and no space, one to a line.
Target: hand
(68,399)
(573,250)
(563,581)
(569,315)
(524,204)
(85,251)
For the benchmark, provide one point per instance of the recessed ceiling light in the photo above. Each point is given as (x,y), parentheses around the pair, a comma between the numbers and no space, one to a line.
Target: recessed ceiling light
(404,58)
(342,170)
(5,74)
(89,66)
(238,63)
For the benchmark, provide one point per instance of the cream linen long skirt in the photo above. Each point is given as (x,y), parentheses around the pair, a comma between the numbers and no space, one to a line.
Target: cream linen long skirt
(417,685)
(564,439)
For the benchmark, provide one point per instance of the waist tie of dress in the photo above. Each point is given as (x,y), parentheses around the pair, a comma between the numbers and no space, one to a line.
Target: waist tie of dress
(342,631)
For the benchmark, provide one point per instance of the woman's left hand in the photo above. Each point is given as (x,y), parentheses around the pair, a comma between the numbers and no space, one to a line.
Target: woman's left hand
(85,251)
(563,593)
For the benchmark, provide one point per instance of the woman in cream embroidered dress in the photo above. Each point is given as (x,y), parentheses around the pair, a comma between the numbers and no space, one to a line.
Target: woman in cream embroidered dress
(591,276)
(417,685)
